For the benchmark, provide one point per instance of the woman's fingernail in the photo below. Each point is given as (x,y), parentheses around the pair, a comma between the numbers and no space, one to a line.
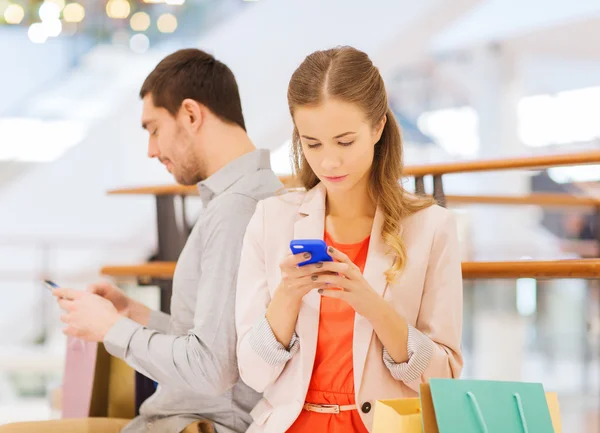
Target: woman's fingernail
(330,250)
(314,277)
(307,255)
(320,291)
(319,265)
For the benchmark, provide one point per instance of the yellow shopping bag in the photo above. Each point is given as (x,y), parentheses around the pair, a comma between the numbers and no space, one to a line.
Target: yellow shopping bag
(400,415)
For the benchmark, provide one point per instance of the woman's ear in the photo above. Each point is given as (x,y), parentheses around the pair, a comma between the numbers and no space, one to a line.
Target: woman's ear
(379,128)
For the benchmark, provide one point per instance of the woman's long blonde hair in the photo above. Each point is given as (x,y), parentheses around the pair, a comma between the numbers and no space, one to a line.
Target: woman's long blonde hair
(347,74)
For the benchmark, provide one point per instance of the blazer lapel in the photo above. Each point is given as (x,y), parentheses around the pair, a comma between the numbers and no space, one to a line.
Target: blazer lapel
(310,225)
(378,261)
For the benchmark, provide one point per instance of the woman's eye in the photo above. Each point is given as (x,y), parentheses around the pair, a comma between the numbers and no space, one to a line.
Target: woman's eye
(345,143)
(313,145)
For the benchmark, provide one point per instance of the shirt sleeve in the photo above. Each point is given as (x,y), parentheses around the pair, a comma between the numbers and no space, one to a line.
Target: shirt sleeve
(264,343)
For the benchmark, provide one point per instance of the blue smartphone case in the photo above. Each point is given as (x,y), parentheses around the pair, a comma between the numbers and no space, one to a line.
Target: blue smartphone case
(316,247)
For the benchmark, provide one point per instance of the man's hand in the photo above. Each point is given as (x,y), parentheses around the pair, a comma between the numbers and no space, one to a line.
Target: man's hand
(126,306)
(87,316)
(114,294)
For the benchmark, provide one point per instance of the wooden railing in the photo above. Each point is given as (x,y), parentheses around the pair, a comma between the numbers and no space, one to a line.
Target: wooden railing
(552,269)
(520,163)
(419,172)
(538,199)
(173,227)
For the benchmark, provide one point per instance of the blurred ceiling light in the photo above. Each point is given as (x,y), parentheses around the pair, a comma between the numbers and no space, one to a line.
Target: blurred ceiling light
(74,13)
(53,28)
(140,21)
(167,23)
(49,11)
(154,1)
(14,14)
(37,33)
(118,9)
(59,3)
(3,5)
(139,43)
(175,2)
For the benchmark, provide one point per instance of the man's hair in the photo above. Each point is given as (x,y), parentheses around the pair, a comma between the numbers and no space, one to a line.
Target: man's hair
(194,74)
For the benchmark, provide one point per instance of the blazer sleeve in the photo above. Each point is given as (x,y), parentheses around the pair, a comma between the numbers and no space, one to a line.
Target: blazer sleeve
(261,358)
(434,344)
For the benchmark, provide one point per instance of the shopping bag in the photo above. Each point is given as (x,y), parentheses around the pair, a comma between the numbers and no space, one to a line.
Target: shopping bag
(417,415)
(85,380)
(554,408)
(479,406)
(397,416)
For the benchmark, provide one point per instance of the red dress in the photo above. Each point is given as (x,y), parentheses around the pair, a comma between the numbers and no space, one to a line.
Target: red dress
(332,379)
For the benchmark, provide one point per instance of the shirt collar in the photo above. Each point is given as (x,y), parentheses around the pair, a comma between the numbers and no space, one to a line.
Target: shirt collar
(227,176)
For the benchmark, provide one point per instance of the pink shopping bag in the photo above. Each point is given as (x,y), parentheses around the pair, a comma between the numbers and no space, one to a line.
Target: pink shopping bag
(85,383)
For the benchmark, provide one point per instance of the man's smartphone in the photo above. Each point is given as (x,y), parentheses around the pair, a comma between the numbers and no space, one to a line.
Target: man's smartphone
(316,247)
(51,285)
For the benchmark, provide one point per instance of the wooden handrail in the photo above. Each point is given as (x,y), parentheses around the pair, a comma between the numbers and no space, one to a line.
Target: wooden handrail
(159,270)
(552,269)
(526,162)
(584,268)
(539,199)
(174,189)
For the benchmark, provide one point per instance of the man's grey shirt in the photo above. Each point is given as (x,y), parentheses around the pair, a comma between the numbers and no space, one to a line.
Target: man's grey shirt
(192,353)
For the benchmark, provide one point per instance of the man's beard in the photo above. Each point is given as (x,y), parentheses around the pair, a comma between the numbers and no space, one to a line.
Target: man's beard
(188,178)
(190,172)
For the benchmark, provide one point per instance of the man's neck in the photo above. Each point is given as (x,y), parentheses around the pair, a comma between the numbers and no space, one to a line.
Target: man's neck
(231,144)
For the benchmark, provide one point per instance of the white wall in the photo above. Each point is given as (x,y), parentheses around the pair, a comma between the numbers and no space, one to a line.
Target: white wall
(36,64)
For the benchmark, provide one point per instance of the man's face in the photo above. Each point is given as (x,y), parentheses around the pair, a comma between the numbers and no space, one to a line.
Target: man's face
(171,142)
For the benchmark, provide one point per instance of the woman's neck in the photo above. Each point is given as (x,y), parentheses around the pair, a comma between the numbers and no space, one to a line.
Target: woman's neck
(354,203)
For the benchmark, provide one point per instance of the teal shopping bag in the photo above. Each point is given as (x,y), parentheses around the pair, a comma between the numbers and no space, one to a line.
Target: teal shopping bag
(480,406)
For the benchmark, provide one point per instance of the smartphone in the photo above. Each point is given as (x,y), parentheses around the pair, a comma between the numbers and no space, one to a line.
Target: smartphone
(51,285)
(316,247)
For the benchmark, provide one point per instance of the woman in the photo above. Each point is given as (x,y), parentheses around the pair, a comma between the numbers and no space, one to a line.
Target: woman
(324,341)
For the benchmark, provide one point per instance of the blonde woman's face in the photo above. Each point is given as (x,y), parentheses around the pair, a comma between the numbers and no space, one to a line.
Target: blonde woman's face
(338,142)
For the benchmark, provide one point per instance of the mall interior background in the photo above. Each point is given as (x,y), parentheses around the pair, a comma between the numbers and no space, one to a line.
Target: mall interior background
(468,79)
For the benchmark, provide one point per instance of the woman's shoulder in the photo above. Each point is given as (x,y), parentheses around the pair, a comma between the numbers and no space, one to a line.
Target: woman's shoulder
(432,216)
(285,200)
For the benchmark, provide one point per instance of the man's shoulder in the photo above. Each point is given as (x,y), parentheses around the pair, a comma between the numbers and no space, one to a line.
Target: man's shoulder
(231,205)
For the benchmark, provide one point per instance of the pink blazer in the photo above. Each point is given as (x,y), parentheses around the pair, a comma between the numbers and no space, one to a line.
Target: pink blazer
(428,294)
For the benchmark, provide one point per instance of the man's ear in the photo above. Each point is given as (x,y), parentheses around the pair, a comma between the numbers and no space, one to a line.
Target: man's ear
(192,113)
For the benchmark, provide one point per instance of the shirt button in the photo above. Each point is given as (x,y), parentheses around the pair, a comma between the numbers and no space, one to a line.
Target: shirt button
(366,407)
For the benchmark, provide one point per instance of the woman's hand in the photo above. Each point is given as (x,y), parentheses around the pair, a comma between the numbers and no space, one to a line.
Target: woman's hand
(350,286)
(297,281)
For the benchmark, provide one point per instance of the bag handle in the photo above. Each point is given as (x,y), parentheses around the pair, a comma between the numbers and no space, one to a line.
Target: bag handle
(483,425)
(477,409)
(521,412)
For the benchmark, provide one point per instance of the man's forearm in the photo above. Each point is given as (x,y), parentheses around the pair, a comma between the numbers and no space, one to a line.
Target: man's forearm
(184,362)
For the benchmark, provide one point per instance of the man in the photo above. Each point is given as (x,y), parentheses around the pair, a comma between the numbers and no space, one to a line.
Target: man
(192,111)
